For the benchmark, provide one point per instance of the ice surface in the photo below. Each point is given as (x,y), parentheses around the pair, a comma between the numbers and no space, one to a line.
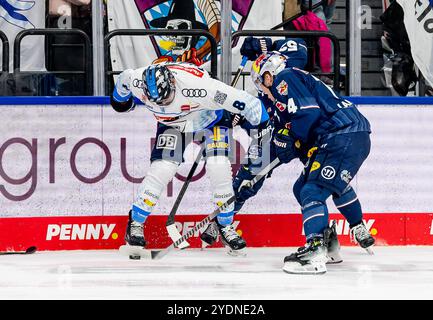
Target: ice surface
(392,273)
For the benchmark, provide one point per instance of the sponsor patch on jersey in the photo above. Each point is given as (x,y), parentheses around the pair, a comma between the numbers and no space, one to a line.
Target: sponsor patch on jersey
(315,166)
(220,97)
(194,93)
(283,88)
(166,141)
(281,106)
(137,83)
(311,151)
(328,173)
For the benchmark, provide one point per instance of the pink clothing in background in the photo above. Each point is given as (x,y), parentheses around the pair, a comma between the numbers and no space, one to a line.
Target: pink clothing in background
(311,22)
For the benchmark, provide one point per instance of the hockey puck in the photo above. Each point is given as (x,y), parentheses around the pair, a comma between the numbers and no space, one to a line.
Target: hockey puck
(134,257)
(31,250)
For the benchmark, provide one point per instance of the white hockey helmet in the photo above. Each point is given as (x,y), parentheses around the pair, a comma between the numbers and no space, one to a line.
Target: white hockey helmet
(272,62)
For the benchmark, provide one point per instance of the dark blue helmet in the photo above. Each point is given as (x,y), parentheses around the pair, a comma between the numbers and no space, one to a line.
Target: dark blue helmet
(158,83)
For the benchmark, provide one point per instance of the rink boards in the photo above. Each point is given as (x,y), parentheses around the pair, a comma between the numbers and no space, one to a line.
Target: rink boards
(70,168)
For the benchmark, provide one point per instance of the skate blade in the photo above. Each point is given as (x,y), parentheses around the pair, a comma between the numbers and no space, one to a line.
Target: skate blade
(334,258)
(369,250)
(237,253)
(135,252)
(204,244)
(296,268)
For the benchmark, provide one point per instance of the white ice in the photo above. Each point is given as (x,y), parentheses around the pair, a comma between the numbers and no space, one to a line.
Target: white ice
(392,273)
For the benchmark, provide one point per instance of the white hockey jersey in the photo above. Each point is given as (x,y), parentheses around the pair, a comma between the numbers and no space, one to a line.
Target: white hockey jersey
(199,99)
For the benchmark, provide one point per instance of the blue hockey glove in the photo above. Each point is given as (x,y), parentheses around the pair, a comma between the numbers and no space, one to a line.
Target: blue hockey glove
(244,192)
(284,145)
(252,47)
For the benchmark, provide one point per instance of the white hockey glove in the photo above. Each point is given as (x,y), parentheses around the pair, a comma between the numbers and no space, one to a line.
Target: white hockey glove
(123,84)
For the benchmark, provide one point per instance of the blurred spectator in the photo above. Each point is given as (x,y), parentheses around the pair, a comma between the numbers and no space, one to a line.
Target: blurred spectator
(325,11)
(66,51)
(291,8)
(399,68)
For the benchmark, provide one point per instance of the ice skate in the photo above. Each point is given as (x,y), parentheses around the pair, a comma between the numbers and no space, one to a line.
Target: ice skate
(310,259)
(209,235)
(134,238)
(360,235)
(232,241)
(332,244)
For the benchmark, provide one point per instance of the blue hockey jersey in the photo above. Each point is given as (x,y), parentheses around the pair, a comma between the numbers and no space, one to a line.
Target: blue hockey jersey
(312,110)
(295,50)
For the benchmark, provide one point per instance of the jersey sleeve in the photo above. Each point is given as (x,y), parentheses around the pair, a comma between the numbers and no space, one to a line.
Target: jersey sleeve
(223,96)
(295,50)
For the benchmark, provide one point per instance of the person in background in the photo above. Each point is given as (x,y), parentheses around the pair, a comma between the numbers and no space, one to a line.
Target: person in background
(325,11)
(65,51)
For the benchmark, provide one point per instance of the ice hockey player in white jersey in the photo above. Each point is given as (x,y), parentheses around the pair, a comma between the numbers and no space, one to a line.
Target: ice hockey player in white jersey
(188,105)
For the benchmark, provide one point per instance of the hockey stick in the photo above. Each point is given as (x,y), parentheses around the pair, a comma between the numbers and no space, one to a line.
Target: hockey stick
(158,254)
(240,69)
(29,250)
(170,225)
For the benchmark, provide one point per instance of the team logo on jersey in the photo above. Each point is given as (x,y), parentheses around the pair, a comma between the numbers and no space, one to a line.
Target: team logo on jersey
(281,106)
(283,88)
(328,173)
(194,93)
(186,15)
(346,176)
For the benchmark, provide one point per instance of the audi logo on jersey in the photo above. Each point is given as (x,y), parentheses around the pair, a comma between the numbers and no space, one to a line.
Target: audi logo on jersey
(194,93)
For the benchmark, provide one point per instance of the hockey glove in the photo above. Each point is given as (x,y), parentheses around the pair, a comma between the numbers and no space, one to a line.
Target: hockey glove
(121,99)
(284,145)
(123,85)
(242,191)
(252,47)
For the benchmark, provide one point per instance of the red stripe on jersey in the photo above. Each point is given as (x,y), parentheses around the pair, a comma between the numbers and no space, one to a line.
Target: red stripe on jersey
(191,70)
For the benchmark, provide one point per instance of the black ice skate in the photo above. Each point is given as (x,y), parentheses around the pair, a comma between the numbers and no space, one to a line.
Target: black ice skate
(210,235)
(360,235)
(332,244)
(134,238)
(231,239)
(310,259)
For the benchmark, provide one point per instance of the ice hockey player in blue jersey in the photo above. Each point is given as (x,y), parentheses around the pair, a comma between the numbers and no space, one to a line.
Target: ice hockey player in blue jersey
(307,110)
(293,52)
